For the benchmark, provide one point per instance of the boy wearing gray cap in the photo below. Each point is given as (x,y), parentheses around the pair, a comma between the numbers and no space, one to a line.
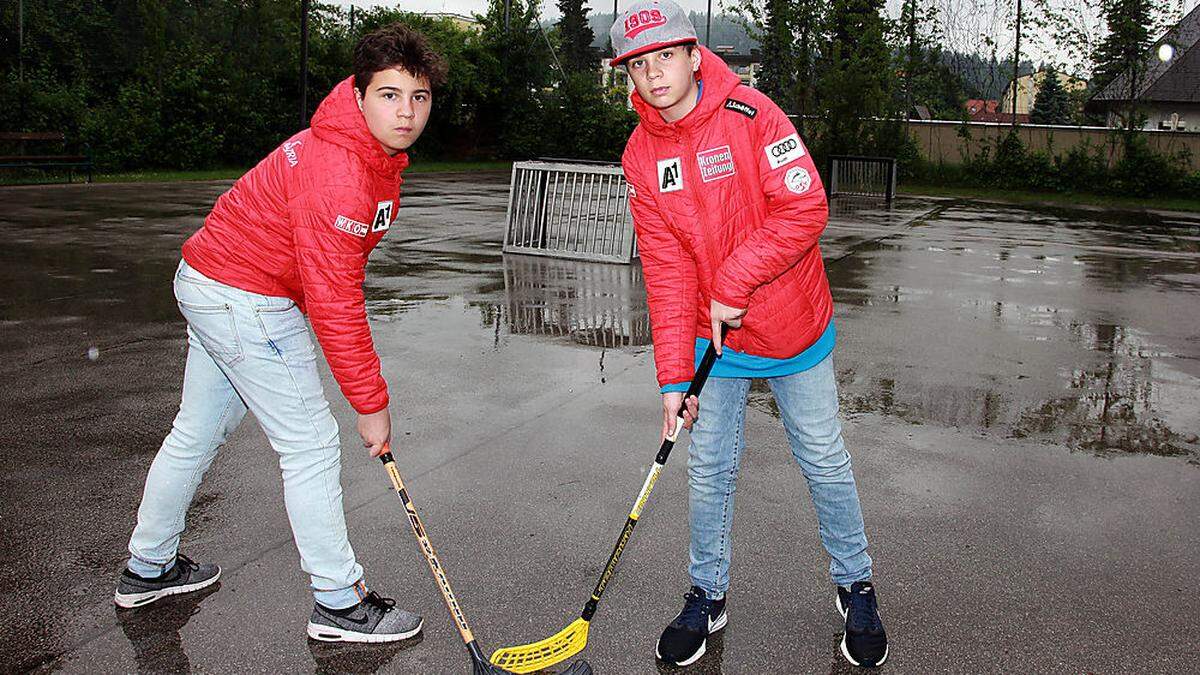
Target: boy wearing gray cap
(728,208)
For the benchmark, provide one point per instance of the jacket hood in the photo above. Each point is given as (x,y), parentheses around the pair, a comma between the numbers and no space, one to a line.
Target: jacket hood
(339,121)
(719,82)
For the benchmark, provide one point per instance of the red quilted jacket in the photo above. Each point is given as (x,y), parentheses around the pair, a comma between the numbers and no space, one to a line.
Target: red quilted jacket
(727,204)
(301,225)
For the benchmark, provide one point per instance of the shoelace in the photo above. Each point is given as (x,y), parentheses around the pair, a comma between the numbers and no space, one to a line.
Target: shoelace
(186,563)
(864,611)
(696,609)
(383,604)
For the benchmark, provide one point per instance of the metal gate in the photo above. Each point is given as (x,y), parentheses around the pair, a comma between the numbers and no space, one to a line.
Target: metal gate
(862,176)
(570,210)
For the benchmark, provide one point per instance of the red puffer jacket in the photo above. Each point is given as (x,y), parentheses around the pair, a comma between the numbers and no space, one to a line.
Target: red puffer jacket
(727,205)
(301,225)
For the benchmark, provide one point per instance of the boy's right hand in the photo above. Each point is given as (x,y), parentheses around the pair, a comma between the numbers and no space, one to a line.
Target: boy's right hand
(672,401)
(376,431)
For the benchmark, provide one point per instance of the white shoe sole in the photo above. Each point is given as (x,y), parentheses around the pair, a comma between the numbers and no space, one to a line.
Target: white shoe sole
(716,626)
(845,650)
(325,633)
(846,653)
(131,600)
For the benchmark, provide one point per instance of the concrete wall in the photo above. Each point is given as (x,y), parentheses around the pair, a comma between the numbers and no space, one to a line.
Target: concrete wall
(1160,113)
(940,141)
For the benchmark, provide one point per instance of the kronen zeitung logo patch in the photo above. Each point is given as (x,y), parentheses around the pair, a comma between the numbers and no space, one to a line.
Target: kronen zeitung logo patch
(716,163)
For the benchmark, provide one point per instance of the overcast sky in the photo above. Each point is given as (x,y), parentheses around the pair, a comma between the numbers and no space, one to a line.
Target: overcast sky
(963,21)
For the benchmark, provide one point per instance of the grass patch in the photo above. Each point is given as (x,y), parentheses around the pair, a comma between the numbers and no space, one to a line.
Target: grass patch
(167,176)
(231,174)
(1052,198)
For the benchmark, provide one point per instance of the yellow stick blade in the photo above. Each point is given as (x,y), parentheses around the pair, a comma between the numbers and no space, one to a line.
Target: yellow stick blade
(538,655)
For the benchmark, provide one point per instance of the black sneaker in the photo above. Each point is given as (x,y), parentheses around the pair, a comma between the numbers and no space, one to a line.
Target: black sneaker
(865,642)
(375,619)
(184,577)
(685,638)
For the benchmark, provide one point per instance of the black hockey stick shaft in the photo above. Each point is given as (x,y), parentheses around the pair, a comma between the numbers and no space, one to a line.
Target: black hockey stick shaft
(660,460)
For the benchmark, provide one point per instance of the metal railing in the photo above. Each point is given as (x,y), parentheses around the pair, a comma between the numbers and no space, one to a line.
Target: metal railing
(570,210)
(587,302)
(862,176)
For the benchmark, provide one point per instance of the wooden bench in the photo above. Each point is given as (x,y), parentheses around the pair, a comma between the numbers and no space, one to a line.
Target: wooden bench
(22,160)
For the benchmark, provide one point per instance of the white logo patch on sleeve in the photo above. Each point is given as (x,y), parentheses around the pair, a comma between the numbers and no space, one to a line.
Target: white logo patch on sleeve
(383,216)
(798,180)
(784,151)
(289,151)
(350,226)
(670,178)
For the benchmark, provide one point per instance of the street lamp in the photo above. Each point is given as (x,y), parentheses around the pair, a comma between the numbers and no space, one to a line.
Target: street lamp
(1166,52)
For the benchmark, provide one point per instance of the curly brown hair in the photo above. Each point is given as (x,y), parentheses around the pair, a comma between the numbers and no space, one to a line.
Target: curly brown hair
(397,46)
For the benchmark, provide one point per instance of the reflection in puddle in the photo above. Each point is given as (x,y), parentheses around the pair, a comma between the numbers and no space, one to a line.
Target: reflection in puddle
(154,631)
(594,304)
(1068,331)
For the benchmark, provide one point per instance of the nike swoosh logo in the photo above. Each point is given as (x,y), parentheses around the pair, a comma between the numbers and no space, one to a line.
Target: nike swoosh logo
(351,619)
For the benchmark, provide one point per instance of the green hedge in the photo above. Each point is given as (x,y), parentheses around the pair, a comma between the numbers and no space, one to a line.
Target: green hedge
(1009,165)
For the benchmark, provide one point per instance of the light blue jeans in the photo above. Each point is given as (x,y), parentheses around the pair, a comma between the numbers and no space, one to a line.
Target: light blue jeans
(251,351)
(808,404)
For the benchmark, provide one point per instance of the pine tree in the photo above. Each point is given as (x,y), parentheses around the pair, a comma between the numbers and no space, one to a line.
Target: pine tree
(1122,53)
(1053,104)
(575,38)
(777,78)
(856,83)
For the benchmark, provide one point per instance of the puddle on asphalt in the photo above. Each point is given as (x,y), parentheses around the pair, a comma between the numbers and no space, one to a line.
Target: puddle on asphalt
(1021,323)
(1023,330)
(1072,327)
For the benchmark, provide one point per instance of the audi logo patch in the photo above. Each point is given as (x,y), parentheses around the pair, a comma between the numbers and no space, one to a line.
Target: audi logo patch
(784,151)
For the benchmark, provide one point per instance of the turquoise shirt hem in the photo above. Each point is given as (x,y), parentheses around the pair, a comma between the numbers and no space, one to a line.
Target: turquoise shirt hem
(738,364)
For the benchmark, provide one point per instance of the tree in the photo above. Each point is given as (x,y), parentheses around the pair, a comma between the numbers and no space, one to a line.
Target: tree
(777,79)
(1053,104)
(856,82)
(1121,57)
(575,38)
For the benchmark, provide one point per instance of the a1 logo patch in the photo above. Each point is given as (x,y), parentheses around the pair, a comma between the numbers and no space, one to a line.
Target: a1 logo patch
(383,216)
(670,177)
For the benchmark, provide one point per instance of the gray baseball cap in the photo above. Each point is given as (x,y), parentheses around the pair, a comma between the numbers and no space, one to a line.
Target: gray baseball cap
(650,25)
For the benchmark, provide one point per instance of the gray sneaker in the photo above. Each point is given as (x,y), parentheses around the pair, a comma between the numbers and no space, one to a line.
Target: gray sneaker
(375,619)
(184,577)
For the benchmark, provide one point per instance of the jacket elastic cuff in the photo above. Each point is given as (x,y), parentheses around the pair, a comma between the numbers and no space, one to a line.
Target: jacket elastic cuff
(372,409)
(735,302)
(678,386)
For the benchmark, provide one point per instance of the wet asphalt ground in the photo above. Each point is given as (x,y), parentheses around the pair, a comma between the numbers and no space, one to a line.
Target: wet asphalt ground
(1021,389)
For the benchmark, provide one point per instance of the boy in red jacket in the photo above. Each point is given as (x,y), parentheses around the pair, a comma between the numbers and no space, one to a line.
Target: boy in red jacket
(291,237)
(728,208)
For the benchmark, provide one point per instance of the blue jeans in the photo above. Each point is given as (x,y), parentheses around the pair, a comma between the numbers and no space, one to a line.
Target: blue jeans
(250,351)
(808,404)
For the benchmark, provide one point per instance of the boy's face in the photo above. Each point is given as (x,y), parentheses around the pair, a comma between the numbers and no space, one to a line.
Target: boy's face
(396,107)
(666,79)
